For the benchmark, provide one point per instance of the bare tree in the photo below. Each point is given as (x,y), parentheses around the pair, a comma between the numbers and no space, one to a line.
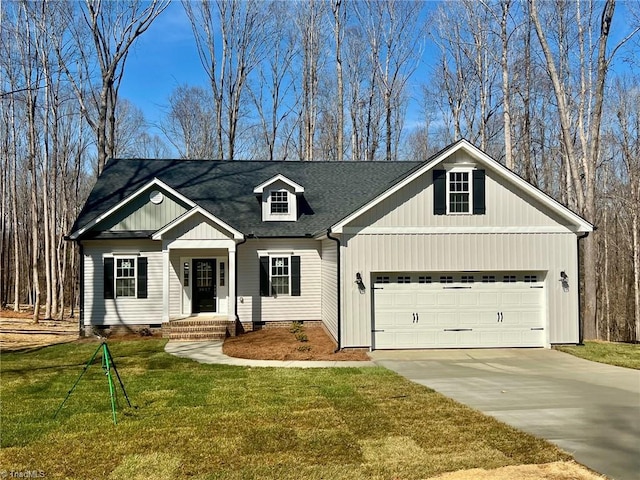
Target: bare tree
(339,10)
(228,66)
(582,156)
(188,124)
(274,84)
(627,138)
(104,32)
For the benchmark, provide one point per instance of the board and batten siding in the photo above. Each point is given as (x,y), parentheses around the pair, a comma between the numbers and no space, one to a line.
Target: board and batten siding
(412,206)
(254,308)
(329,301)
(198,228)
(121,311)
(550,253)
(142,214)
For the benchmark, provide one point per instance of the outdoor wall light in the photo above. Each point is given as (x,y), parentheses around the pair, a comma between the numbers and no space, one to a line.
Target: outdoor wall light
(359,282)
(564,279)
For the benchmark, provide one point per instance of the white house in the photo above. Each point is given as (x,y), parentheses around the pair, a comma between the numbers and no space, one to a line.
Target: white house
(456,251)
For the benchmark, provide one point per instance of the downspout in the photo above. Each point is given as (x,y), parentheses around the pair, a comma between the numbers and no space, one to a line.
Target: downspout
(580,319)
(81,331)
(337,240)
(244,240)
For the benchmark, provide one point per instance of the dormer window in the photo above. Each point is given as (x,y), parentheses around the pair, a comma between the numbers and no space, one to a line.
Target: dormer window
(279,202)
(279,198)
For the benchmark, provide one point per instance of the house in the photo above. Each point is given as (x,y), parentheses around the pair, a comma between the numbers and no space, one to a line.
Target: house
(455,251)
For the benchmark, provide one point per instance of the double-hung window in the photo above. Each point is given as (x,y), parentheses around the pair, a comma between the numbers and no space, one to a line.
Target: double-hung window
(459,189)
(125,277)
(280,275)
(280,202)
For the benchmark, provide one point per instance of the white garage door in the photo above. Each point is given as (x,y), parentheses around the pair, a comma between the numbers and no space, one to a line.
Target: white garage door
(458,310)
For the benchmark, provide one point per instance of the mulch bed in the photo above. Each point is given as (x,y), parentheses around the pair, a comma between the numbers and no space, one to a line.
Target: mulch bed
(281,344)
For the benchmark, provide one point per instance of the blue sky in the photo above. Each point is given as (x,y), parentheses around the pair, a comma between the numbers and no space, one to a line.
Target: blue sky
(164,57)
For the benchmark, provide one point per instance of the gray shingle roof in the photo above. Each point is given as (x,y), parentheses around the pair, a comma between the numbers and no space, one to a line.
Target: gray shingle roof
(333,190)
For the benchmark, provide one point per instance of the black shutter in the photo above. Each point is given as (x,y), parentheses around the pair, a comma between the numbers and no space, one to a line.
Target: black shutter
(439,192)
(108,278)
(295,276)
(479,207)
(142,277)
(264,276)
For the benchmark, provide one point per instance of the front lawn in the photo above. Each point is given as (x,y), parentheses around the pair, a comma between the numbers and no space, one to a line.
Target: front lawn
(224,422)
(620,354)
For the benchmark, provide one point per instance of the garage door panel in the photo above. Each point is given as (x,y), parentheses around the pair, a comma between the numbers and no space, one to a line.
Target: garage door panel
(445,319)
(446,298)
(469,299)
(425,299)
(459,312)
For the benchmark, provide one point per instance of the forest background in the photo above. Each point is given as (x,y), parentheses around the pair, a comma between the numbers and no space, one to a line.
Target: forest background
(549,88)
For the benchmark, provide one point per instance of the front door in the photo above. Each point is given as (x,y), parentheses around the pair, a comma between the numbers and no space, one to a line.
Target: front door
(204,285)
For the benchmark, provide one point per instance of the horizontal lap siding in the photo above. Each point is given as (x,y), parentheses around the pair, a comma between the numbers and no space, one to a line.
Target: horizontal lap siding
(550,253)
(121,311)
(330,286)
(254,308)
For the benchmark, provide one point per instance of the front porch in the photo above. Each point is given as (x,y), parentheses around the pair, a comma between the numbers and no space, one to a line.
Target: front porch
(198,275)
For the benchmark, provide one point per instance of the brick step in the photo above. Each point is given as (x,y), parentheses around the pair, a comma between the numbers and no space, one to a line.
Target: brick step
(194,329)
(200,328)
(197,322)
(197,336)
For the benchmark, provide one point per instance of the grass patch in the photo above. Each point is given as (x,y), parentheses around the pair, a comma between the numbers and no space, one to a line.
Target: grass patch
(225,422)
(619,354)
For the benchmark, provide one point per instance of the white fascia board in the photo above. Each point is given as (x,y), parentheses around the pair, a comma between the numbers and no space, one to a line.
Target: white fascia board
(581,225)
(455,230)
(155,182)
(188,214)
(296,187)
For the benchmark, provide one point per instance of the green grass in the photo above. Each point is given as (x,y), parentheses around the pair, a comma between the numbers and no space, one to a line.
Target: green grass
(620,354)
(224,422)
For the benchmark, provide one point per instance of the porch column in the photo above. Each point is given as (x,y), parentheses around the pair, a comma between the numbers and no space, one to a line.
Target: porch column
(165,282)
(231,303)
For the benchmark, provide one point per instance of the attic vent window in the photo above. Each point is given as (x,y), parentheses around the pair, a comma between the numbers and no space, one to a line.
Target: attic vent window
(280,202)
(156,197)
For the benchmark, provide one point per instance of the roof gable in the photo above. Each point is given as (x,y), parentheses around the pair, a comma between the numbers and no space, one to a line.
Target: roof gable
(481,159)
(297,189)
(195,222)
(116,217)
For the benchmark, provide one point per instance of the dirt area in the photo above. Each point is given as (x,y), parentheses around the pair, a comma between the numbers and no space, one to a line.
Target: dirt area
(18,332)
(282,344)
(546,471)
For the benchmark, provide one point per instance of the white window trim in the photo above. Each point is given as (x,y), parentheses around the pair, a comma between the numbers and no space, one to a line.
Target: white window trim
(468,170)
(270,203)
(290,216)
(288,257)
(118,257)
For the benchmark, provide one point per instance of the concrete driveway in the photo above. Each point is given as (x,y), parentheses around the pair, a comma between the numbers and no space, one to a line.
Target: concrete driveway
(588,409)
